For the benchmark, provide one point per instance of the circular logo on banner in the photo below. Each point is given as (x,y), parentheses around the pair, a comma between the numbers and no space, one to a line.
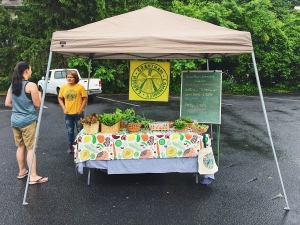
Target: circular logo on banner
(149,80)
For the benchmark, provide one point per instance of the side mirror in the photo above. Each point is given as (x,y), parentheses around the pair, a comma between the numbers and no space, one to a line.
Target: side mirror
(43,78)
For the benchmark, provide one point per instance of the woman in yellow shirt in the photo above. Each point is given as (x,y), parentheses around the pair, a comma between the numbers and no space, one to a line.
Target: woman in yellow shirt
(72,99)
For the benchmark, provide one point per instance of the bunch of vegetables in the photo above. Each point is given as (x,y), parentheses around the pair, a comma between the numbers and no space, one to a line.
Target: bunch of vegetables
(202,126)
(145,122)
(187,119)
(90,119)
(125,113)
(109,119)
(179,124)
(133,119)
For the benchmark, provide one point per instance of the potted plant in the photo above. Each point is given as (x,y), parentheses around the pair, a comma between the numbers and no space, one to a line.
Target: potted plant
(133,123)
(90,123)
(124,114)
(110,122)
(180,125)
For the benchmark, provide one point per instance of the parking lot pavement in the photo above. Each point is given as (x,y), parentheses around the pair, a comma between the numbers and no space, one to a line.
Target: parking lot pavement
(247,189)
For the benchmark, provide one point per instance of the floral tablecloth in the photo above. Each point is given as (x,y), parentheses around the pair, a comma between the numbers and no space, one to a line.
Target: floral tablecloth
(142,145)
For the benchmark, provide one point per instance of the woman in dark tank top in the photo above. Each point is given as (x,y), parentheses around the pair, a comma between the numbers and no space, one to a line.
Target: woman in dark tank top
(23,97)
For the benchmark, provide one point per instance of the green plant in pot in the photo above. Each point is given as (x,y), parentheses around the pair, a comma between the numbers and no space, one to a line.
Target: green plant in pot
(134,123)
(133,119)
(179,124)
(124,114)
(109,119)
(188,121)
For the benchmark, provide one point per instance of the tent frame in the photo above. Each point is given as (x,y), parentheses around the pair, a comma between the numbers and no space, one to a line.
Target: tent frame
(166,44)
(287,208)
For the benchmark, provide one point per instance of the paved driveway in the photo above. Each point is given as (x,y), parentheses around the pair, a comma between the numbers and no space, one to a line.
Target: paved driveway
(247,189)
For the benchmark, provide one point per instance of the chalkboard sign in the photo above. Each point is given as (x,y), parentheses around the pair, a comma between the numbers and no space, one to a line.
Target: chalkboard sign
(201,93)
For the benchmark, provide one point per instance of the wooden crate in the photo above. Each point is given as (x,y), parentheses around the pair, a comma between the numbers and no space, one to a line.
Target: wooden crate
(159,125)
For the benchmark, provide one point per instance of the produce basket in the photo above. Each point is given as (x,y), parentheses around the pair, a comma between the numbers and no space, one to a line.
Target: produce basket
(182,130)
(134,127)
(159,125)
(200,130)
(110,129)
(190,125)
(171,124)
(122,124)
(91,129)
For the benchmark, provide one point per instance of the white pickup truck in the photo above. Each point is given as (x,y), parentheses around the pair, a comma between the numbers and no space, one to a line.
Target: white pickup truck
(57,78)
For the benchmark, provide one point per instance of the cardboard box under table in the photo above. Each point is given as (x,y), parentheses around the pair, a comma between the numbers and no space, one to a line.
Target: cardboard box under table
(142,152)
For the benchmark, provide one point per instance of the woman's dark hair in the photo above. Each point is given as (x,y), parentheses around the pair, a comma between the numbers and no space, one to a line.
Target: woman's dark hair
(18,77)
(74,74)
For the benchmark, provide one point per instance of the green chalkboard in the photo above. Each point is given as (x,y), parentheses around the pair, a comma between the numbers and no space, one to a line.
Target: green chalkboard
(201,93)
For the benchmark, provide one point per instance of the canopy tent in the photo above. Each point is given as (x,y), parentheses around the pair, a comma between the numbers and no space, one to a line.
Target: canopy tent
(151,33)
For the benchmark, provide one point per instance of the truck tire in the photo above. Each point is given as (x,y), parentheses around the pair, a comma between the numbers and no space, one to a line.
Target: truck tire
(57,90)
(91,98)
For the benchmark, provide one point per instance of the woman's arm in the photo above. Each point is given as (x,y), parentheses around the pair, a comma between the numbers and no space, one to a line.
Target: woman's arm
(8,101)
(35,94)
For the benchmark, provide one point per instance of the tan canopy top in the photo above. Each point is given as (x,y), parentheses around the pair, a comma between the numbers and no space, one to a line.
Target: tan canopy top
(151,33)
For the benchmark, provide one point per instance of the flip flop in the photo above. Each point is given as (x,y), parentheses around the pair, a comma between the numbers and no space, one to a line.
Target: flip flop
(39,181)
(23,175)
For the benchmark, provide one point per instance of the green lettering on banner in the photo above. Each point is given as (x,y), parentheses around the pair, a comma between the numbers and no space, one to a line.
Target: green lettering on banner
(201,93)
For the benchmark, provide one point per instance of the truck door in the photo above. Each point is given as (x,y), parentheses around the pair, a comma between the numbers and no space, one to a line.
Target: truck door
(59,79)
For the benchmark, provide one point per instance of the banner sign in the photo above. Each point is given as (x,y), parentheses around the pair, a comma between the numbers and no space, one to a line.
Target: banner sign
(149,81)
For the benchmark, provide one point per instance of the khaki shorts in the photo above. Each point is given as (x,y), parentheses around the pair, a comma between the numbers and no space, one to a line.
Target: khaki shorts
(25,136)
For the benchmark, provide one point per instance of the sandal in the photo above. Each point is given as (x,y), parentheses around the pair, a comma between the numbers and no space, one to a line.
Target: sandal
(39,181)
(23,175)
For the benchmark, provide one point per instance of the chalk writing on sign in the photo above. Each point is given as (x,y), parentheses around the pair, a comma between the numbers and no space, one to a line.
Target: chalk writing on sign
(201,96)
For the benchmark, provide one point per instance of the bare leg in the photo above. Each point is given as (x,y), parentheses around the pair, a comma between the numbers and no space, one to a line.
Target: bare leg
(33,174)
(20,155)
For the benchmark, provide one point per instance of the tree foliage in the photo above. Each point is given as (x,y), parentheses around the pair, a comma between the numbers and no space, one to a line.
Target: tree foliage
(274,27)
(8,55)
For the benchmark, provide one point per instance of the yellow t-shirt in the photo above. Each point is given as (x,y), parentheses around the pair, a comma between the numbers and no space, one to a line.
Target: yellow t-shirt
(73,97)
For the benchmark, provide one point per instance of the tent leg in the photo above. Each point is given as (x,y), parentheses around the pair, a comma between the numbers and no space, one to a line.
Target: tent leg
(211,127)
(218,144)
(88,84)
(89,177)
(37,128)
(268,127)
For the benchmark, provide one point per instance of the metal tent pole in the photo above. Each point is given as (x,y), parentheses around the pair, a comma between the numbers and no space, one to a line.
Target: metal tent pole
(211,131)
(88,84)
(37,128)
(268,127)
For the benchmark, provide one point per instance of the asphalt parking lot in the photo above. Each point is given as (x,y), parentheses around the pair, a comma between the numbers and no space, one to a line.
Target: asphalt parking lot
(247,189)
